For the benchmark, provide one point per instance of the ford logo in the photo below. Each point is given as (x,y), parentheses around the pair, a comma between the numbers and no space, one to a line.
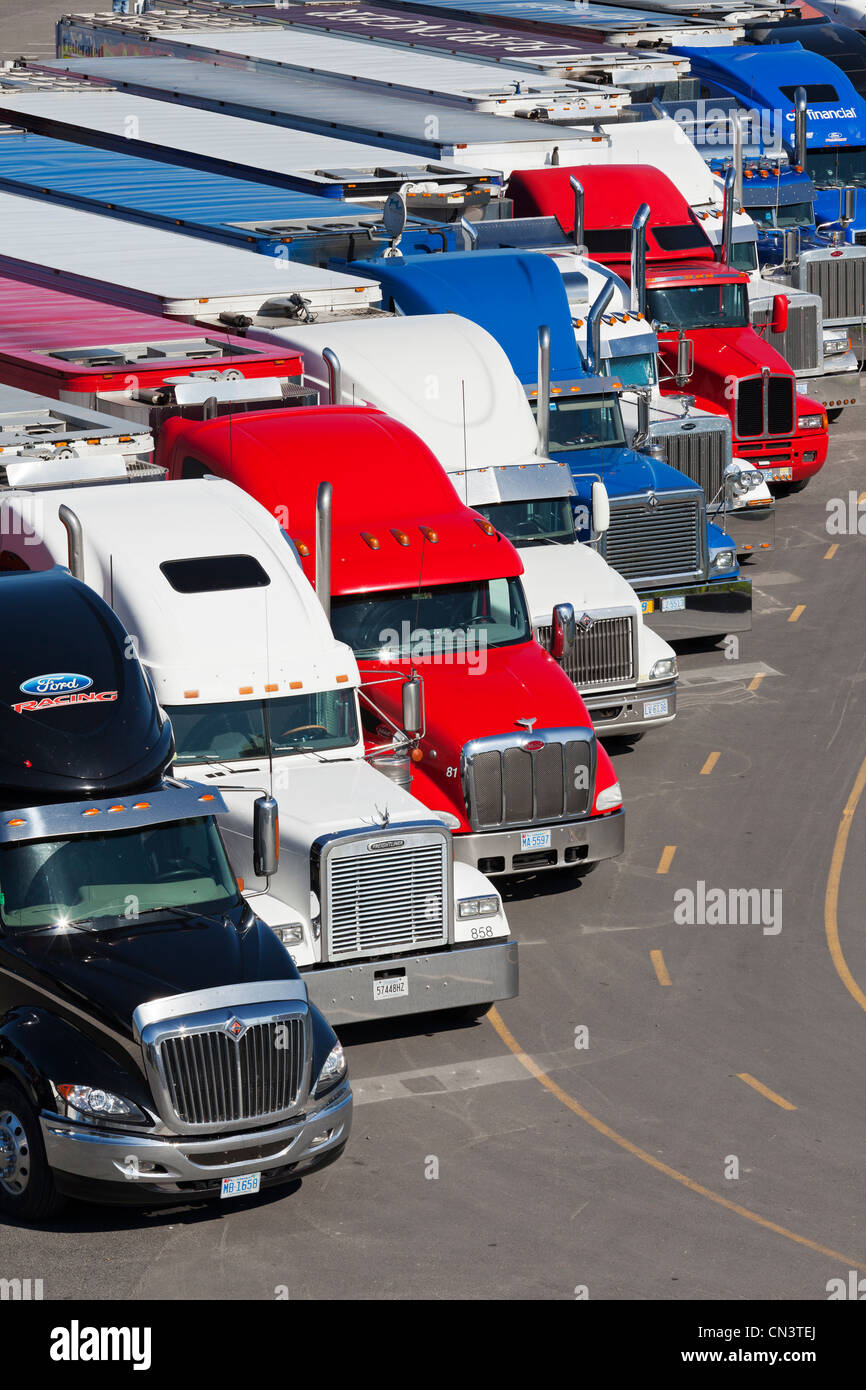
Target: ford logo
(58,683)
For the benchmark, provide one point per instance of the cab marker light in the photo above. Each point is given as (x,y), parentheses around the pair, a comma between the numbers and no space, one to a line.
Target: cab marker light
(371,540)
(296,685)
(240,883)
(399,536)
(341,680)
(190,694)
(93,811)
(17,821)
(429,534)
(113,809)
(141,806)
(303,549)
(208,796)
(486,526)
(269,689)
(245,690)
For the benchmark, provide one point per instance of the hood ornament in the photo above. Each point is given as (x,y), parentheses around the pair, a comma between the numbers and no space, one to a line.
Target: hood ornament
(383,817)
(528,724)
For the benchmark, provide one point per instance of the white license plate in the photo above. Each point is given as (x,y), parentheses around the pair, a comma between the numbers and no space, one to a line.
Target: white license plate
(675,604)
(535,839)
(244,1185)
(391,988)
(653,708)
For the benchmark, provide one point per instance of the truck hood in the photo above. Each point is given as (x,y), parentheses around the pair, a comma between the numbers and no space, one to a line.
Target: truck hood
(572,574)
(624,471)
(727,353)
(328,797)
(107,974)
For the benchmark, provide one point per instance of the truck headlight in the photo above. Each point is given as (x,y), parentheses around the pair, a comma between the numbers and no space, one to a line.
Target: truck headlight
(610,798)
(97,1104)
(478,907)
(835,341)
(290,935)
(723,560)
(666,667)
(333,1071)
(812,422)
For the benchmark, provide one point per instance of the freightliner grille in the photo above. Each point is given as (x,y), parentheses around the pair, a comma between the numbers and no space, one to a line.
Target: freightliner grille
(841,283)
(388,899)
(510,785)
(647,543)
(603,654)
(765,406)
(799,343)
(701,454)
(211,1078)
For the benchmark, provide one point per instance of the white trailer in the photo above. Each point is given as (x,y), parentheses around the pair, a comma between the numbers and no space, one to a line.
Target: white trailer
(264,700)
(39,435)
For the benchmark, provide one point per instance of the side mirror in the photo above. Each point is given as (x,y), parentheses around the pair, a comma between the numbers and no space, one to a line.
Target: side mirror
(779,321)
(412,714)
(600,509)
(685,360)
(266,836)
(564,631)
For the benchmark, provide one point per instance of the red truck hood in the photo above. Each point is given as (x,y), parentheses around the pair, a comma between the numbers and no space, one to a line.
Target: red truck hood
(728,352)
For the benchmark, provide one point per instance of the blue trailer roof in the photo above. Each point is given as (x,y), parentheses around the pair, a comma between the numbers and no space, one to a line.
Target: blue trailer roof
(509,293)
(766,76)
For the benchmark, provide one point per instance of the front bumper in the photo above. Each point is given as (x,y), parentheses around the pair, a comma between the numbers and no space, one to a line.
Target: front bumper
(616,712)
(708,610)
(110,1166)
(752,528)
(497,852)
(834,390)
(456,978)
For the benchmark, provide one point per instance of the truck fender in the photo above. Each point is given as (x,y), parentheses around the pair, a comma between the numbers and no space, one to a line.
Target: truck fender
(37,1048)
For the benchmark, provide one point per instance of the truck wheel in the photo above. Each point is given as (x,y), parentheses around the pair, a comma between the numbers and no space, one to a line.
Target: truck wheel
(27,1189)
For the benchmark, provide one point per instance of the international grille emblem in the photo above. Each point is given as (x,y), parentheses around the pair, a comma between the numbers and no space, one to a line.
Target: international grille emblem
(236,1028)
(585,622)
(652,502)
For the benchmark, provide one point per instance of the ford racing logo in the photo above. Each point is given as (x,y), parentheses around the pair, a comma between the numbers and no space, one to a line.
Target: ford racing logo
(58,683)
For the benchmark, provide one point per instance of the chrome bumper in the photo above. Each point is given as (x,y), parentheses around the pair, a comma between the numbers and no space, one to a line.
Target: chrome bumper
(833,389)
(163,1164)
(624,711)
(578,842)
(450,979)
(751,528)
(711,610)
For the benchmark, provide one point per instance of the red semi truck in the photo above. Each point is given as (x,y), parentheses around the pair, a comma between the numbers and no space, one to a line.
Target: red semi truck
(421,586)
(698,306)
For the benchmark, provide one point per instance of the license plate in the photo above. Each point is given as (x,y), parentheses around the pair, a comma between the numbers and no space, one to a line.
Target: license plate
(674,605)
(535,839)
(647,605)
(391,988)
(653,708)
(244,1185)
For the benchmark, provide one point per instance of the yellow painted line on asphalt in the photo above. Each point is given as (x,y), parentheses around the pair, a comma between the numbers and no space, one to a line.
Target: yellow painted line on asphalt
(832,551)
(667,859)
(765,1091)
(636,1151)
(661,969)
(710,764)
(755,682)
(793,617)
(831,896)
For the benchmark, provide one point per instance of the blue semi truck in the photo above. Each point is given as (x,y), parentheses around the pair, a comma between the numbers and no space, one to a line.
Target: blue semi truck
(683,568)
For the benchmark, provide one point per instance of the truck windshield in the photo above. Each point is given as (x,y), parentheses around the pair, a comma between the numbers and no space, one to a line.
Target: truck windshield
(444,621)
(837,165)
(115,879)
(786,215)
(638,369)
(240,730)
(588,424)
(698,306)
(544,521)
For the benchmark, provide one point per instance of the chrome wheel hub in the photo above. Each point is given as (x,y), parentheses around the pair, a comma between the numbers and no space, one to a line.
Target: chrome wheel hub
(14,1154)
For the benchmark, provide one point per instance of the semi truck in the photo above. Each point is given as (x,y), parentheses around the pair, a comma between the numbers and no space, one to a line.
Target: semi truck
(263,702)
(684,569)
(421,586)
(699,308)
(157,1044)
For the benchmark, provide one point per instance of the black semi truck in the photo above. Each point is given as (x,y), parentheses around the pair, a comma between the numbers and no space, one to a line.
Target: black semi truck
(156,1041)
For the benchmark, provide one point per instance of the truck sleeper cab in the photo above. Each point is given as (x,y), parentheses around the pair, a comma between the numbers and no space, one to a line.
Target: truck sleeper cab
(421,586)
(156,1041)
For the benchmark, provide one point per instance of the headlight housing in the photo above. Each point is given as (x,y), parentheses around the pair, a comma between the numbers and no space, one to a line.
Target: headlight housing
(666,666)
(478,907)
(835,341)
(334,1070)
(812,422)
(610,798)
(723,560)
(94,1103)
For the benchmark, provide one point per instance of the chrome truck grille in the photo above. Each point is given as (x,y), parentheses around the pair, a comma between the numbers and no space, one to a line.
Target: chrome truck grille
(603,653)
(655,539)
(841,283)
(526,779)
(385,894)
(230,1067)
(700,449)
(799,343)
(764,406)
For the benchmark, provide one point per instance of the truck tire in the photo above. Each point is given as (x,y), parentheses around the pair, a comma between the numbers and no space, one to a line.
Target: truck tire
(27,1190)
